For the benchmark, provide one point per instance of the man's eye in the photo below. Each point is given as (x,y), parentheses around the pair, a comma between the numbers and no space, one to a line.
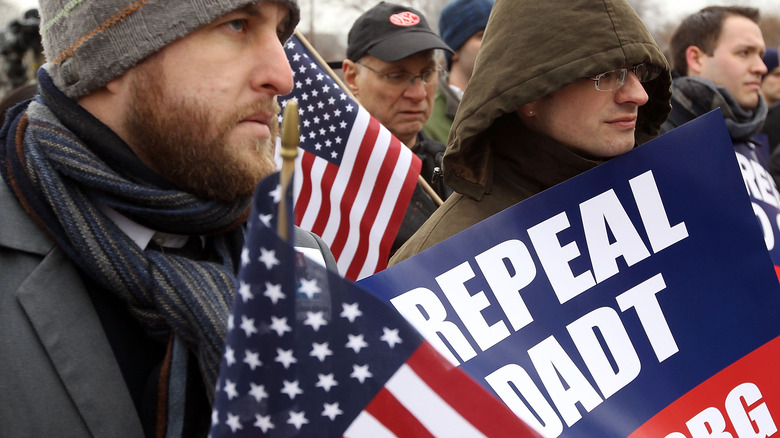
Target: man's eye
(397,76)
(236,25)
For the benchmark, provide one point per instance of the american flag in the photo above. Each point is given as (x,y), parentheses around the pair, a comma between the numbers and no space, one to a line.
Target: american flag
(356,179)
(310,354)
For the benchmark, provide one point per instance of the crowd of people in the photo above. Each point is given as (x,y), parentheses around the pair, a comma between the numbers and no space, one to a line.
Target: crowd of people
(127,178)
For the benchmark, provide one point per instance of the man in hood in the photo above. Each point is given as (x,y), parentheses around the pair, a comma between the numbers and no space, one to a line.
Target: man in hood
(125,185)
(547,101)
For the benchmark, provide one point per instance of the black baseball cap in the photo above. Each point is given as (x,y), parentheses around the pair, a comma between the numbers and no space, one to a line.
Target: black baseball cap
(391,32)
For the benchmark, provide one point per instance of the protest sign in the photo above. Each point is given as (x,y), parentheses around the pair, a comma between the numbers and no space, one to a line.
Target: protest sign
(638,297)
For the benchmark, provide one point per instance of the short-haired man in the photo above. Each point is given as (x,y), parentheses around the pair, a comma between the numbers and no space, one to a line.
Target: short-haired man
(717,54)
(548,101)
(126,184)
(392,70)
(461,25)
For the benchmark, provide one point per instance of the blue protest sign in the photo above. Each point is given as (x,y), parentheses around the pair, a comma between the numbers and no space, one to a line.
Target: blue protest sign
(596,305)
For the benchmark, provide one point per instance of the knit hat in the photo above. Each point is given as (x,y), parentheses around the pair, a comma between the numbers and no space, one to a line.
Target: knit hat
(391,32)
(90,42)
(460,19)
(771,60)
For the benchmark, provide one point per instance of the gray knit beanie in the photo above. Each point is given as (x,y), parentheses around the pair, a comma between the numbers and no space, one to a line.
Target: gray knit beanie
(89,42)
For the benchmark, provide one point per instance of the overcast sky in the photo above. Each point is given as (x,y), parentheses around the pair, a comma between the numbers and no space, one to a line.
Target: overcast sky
(342,19)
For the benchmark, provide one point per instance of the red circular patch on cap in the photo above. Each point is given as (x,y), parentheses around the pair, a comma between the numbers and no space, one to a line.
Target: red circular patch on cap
(405,19)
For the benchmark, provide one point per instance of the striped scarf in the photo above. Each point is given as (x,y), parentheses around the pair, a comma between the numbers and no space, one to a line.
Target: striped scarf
(61,181)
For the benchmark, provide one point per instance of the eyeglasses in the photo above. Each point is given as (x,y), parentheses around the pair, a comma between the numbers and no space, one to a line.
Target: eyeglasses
(614,79)
(404,79)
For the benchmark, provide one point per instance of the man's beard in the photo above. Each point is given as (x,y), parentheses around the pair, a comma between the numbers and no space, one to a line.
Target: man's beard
(175,138)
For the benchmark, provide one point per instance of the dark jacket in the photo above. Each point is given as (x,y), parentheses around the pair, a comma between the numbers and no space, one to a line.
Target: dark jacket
(530,49)
(422,204)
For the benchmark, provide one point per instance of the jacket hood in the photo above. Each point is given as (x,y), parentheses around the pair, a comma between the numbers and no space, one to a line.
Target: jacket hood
(532,48)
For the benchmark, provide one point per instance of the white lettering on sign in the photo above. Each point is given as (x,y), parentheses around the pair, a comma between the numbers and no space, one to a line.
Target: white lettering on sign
(508,268)
(564,382)
(598,213)
(748,417)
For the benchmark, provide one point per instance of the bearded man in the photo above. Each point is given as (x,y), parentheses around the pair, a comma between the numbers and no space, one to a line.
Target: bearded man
(126,184)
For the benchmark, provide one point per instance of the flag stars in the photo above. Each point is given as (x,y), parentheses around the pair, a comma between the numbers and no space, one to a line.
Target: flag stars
(331,410)
(230,356)
(233,422)
(292,389)
(297,419)
(268,258)
(245,290)
(320,351)
(230,389)
(274,292)
(263,422)
(245,256)
(391,337)
(315,320)
(266,220)
(248,326)
(279,325)
(361,373)
(326,381)
(285,357)
(309,288)
(356,343)
(257,391)
(252,359)
(350,311)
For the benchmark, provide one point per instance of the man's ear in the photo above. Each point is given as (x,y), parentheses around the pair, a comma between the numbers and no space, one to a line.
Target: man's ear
(350,70)
(695,58)
(527,110)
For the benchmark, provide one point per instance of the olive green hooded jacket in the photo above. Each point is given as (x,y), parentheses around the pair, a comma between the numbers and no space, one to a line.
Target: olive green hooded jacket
(530,49)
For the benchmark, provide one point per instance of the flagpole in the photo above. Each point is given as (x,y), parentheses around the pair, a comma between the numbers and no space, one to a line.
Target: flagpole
(290,136)
(324,64)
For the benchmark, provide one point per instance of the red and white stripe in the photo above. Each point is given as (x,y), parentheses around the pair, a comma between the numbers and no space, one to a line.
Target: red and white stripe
(428,397)
(357,207)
